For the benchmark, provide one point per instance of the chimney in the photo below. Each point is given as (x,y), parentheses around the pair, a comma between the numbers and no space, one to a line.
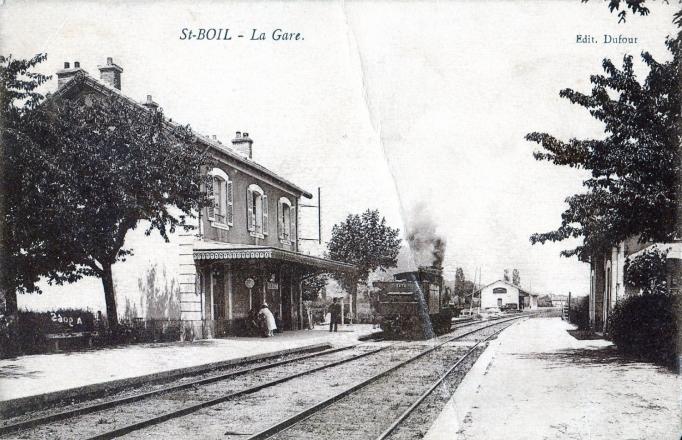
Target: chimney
(242,144)
(149,103)
(67,73)
(111,74)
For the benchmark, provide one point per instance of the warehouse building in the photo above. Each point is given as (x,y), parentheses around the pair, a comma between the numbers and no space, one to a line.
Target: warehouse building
(502,295)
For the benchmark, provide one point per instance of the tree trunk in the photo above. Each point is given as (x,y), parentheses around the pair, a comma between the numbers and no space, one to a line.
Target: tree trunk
(109,295)
(8,298)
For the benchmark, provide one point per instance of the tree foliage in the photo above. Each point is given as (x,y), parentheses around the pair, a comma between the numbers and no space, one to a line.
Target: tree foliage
(19,94)
(635,167)
(516,277)
(463,287)
(91,169)
(312,287)
(647,271)
(365,241)
(635,6)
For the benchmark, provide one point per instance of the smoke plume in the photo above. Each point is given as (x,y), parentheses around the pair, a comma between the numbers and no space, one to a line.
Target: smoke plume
(428,248)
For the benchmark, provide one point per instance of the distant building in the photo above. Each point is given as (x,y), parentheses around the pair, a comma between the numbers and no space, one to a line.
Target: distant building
(244,250)
(501,294)
(558,300)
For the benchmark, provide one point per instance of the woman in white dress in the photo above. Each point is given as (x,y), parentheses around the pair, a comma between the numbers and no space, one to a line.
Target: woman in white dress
(269,319)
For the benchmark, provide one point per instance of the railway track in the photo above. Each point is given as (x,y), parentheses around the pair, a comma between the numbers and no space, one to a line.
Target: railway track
(412,409)
(190,397)
(31,422)
(356,413)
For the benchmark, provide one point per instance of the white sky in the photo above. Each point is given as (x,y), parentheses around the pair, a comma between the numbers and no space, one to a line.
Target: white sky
(382,105)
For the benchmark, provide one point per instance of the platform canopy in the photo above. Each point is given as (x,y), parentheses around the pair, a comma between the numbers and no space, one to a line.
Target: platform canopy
(214,250)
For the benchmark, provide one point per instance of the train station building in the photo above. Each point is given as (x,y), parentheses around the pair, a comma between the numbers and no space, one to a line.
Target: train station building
(243,250)
(607,276)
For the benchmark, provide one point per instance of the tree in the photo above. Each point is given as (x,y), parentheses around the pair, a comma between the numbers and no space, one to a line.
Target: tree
(463,288)
(459,282)
(516,277)
(506,276)
(636,6)
(312,287)
(367,242)
(647,271)
(20,259)
(92,170)
(634,184)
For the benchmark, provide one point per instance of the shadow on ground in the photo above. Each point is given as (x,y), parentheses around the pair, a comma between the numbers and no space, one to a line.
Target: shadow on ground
(584,335)
(17,371)
(586,357)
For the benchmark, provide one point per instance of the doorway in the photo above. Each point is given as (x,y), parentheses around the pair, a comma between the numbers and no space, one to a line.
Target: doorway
(286,304)
(217,300)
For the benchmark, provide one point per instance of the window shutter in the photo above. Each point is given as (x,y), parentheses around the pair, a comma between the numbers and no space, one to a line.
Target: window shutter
(280,223)
(210,209)
(249,210)
(230,212)
(264,198)
(218,196)
(292,223)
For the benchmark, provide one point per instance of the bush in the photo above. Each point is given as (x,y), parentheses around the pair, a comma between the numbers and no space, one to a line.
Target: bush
(579,313)
(26,333)
(8,336)
(645,326)
(134,332)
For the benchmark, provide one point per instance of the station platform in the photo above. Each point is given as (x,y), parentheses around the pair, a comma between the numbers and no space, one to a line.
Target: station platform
(55,376)
(535,381)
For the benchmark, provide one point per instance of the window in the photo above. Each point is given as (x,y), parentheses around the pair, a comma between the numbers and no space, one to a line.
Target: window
(257,211)
(286,221)
(219,191)
(499,290)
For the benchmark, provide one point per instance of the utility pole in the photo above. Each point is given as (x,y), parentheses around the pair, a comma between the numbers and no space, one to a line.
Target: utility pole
(319,217)
(473,290)
(480,283)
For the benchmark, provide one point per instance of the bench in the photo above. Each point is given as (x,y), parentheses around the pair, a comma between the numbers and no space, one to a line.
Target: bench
(70,336)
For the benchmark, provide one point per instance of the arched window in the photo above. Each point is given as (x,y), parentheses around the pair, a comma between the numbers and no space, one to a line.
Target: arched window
(256,211)
(219,191)
(286,220)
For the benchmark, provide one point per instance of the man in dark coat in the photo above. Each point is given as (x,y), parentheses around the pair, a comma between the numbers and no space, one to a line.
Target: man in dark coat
(335,311)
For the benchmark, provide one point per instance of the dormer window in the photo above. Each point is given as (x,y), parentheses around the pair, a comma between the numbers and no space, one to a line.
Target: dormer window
(257,211)
(286,224)
(219,191)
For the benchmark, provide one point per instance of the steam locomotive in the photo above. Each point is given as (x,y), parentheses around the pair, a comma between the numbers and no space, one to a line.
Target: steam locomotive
(414,305)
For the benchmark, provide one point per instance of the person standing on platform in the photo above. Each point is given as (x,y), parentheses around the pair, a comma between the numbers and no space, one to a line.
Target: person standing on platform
(335,312)
(269,319)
